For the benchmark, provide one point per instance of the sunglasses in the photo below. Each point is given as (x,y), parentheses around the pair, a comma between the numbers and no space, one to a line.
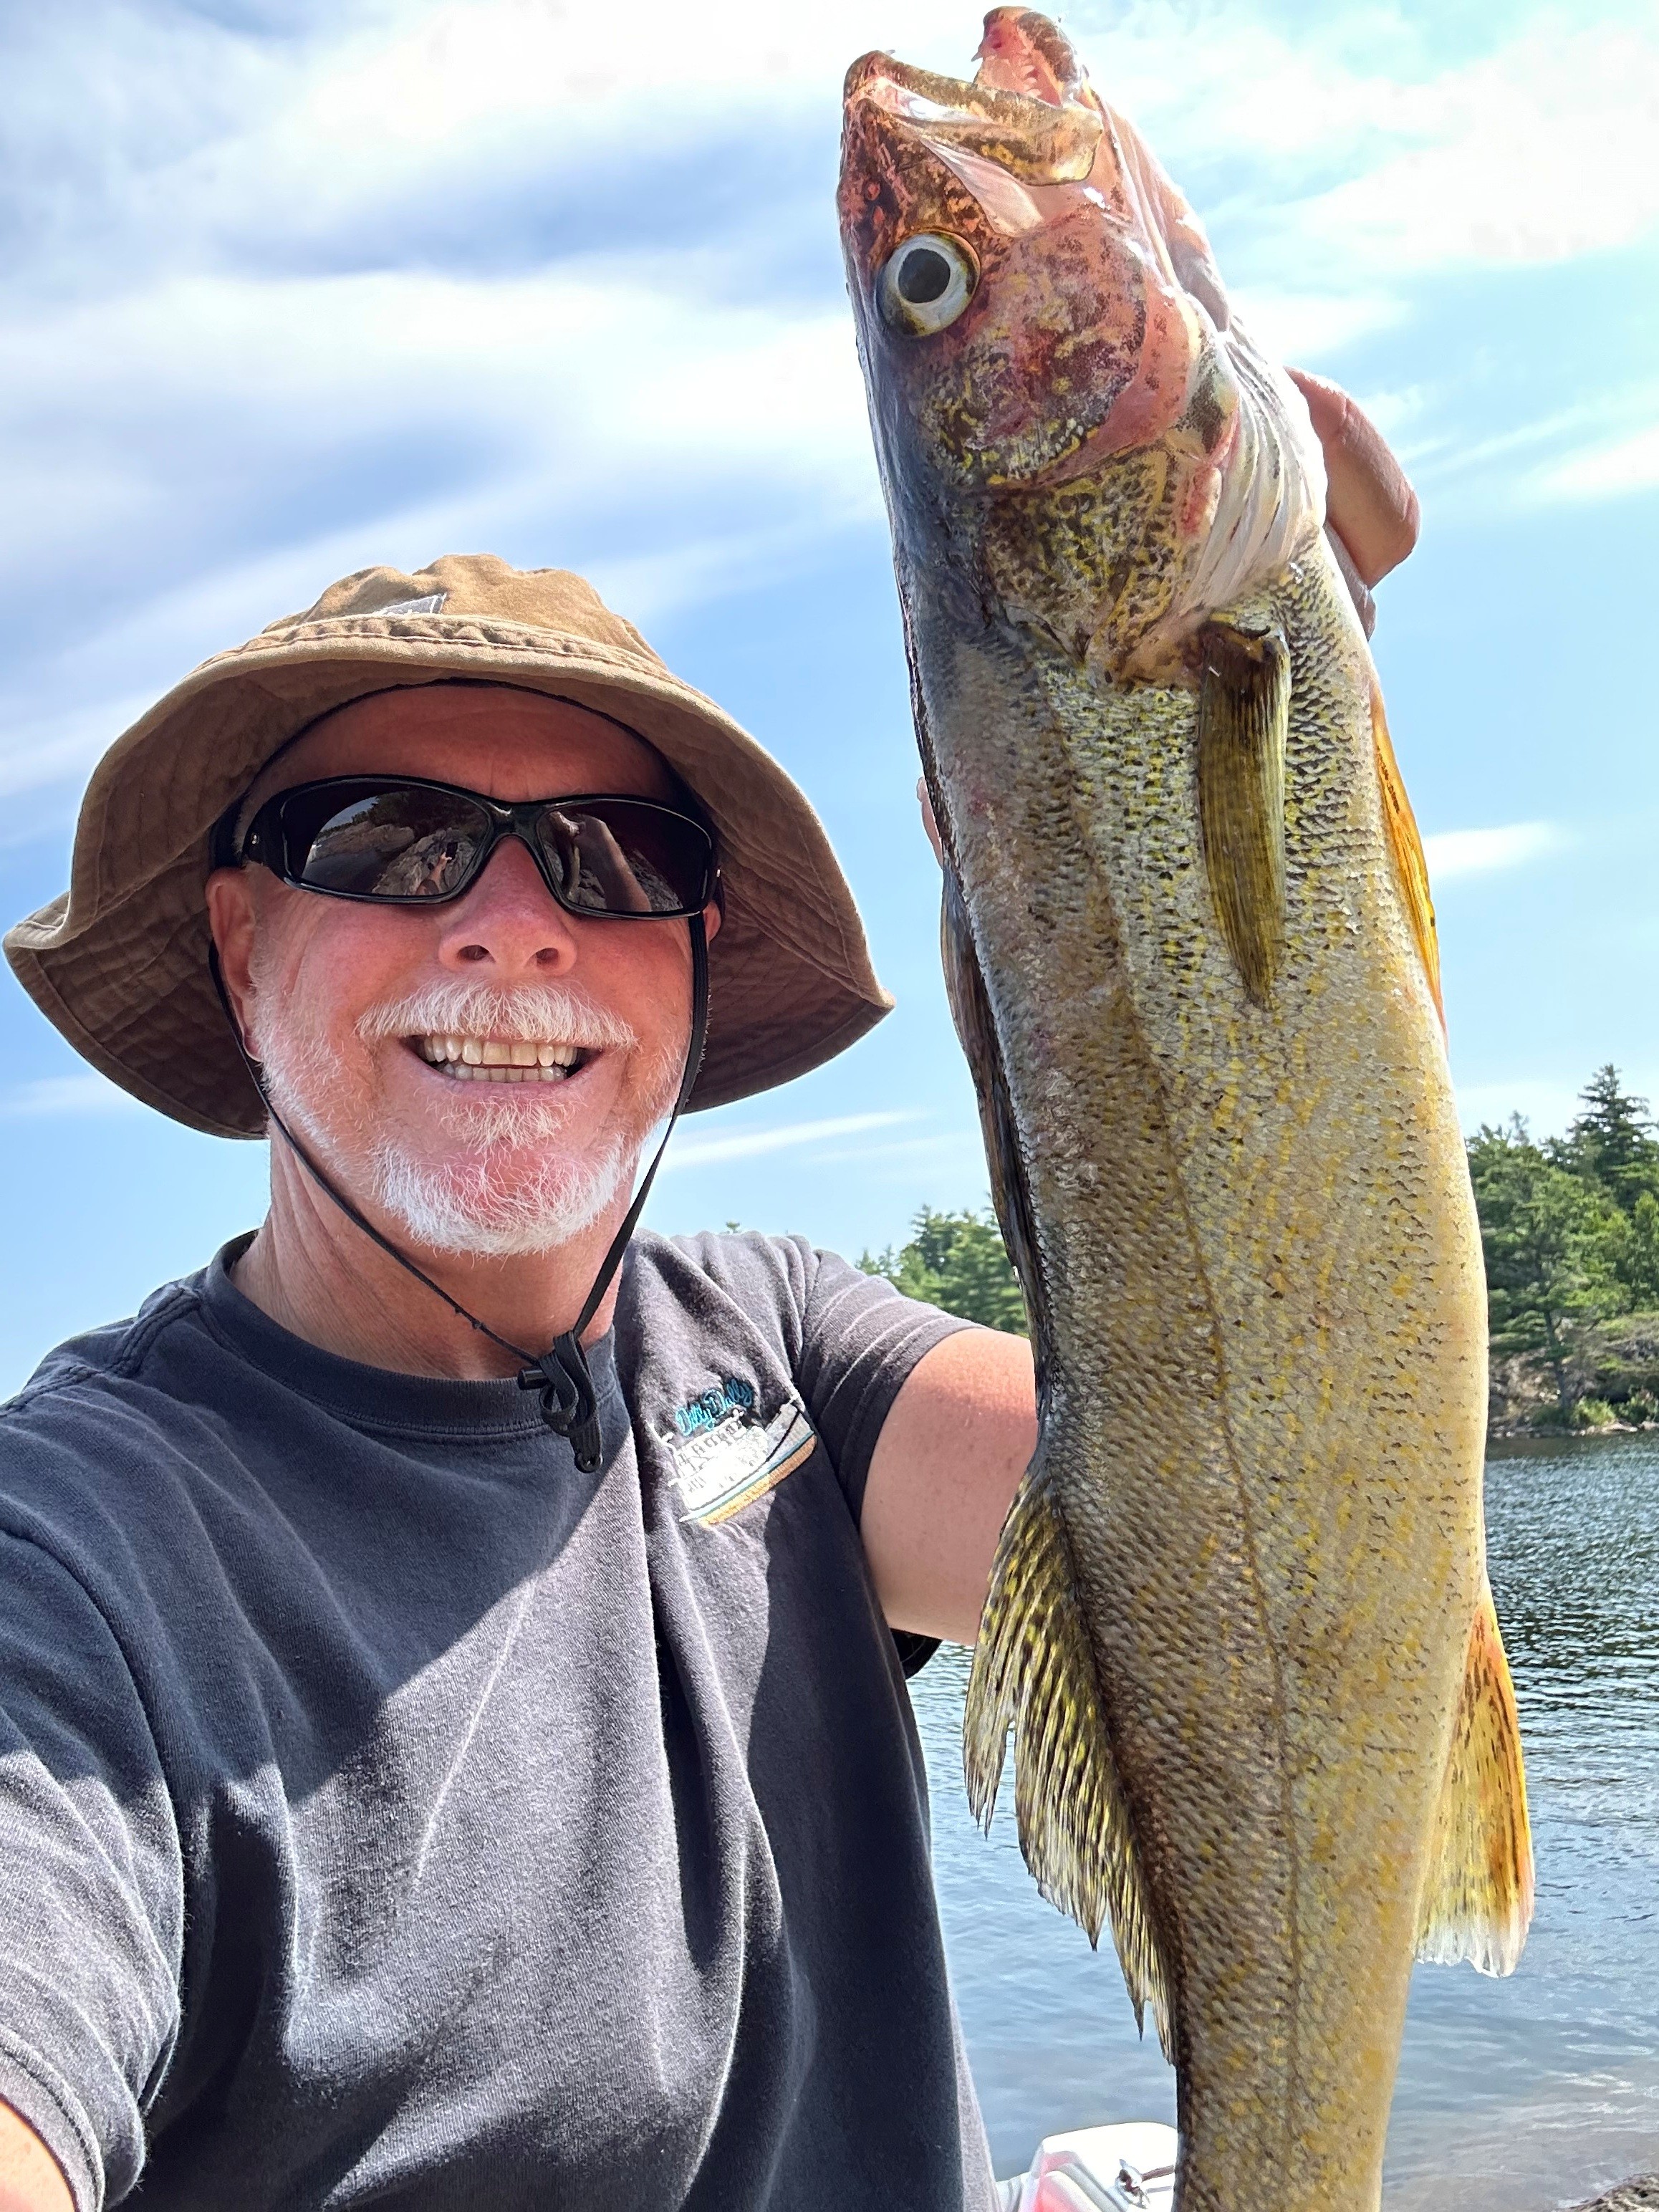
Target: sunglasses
(400,841)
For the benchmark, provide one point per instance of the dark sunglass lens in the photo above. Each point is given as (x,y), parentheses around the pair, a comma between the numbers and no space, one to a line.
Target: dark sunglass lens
(391,842)
(611,858)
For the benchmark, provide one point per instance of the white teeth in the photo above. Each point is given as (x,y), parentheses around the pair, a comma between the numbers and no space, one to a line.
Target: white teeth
(496,1060)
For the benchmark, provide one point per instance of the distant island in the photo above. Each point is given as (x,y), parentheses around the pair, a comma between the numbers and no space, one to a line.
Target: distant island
(1569,1227)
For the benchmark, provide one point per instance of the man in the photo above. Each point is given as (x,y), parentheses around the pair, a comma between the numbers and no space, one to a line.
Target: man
(454,1748)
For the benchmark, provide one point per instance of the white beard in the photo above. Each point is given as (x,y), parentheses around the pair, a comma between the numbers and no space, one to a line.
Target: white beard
(470,1213)
(492,1203)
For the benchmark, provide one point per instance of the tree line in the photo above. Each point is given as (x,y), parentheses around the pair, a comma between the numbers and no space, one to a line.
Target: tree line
(1570,1229)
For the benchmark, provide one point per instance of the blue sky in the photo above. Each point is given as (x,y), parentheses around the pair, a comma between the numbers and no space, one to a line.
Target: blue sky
(289,289)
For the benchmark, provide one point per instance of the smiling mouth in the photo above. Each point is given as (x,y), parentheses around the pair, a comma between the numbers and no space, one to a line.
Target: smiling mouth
(498,1059)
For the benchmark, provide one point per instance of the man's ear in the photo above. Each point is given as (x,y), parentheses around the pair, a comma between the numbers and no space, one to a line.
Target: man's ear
(712,918)
(232,919)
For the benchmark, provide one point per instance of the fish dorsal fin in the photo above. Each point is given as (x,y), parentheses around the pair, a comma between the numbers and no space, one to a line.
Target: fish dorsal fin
(1034,1671)
(1243,711)
(1411,868)
(1477,1899)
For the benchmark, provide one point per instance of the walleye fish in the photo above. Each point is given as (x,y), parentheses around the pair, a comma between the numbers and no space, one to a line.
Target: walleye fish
(1240,1622)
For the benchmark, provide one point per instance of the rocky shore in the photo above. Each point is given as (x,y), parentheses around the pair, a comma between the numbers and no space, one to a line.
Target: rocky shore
(1613,1372)
(1639,2195)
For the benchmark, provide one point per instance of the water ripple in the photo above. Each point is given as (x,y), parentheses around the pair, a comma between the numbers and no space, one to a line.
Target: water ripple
(1512,2095)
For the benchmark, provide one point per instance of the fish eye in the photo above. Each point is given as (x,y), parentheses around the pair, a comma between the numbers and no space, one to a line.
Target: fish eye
(926,283)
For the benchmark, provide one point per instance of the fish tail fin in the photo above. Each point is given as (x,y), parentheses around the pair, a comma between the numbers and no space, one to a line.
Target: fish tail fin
(1034,1671)
(1477,1901)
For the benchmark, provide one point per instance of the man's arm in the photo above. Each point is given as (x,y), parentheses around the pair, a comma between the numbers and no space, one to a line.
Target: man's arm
(31,2180)
(951,1450)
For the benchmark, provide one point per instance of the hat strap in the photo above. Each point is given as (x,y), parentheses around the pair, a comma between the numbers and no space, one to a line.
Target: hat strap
(569,1406)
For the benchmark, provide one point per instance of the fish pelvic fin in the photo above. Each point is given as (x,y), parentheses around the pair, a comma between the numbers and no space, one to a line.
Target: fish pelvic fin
(1477,1901)
(1034,1671)
(1411,868)
(1243,713)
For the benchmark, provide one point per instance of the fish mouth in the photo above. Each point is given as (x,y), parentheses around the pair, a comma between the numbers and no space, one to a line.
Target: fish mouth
(1029,108)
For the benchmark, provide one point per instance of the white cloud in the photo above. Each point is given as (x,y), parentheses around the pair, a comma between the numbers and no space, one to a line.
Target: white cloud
(1604,471)
(1537,152)
(65,1094)
(384,280)
(1453,854)
(750,1144)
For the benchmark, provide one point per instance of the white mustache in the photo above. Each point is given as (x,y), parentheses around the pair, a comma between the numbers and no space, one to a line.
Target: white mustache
(532,1014)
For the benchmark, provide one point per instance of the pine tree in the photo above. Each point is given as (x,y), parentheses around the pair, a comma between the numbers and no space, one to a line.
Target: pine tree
(1612,1141)
(1544,1231)
(955,1260)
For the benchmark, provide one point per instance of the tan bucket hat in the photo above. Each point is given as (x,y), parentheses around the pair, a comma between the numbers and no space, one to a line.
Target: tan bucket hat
(119,963)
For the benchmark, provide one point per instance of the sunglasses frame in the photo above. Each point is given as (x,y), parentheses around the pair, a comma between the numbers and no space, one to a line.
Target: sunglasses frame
(264,841)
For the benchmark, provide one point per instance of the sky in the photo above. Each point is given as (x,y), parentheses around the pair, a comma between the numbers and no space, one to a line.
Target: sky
(288,290)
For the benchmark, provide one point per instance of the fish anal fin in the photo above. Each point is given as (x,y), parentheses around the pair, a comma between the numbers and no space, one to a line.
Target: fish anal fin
(1411,869)
(1034,1671)
(1477,1899)
(1243,712)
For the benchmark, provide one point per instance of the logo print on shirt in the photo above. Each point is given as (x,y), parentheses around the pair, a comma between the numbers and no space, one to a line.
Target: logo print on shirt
(726,1455)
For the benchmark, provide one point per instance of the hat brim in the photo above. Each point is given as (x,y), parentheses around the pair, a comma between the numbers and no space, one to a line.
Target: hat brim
(119,963)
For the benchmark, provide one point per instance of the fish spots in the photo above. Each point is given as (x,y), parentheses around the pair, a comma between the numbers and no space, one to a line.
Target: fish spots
(1098,561)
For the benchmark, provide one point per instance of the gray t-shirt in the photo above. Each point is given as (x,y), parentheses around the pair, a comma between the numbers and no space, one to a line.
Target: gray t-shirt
(390,1814)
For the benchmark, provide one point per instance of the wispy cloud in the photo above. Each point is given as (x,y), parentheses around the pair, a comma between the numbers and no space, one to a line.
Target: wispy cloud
(65,1094)
(1606,471)
(1453,854)
(750,1144)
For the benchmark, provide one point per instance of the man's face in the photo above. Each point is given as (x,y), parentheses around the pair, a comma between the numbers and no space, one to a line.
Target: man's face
(356,1010)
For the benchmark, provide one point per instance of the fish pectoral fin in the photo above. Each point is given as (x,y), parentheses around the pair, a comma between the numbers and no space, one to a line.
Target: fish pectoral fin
(1034,1670)
(1243,713)
(1477,1899)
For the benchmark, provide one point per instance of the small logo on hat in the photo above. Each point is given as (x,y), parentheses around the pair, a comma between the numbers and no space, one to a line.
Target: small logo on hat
(433,604)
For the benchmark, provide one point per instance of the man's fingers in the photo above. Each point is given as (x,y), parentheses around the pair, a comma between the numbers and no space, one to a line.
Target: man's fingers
(1373,509)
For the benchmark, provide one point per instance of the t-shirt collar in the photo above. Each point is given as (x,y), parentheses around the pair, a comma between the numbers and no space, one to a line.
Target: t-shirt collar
(382,1397)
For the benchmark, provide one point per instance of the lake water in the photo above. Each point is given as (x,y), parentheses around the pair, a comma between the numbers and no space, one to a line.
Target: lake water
(1529,2093)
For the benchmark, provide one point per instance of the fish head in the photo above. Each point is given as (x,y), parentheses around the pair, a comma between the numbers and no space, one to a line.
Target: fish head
(1036,303)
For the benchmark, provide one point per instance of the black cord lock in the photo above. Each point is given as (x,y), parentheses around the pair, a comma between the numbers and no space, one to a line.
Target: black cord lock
(569,1405)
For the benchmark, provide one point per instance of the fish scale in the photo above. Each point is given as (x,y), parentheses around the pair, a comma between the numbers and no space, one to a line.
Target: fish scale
(1239,1627)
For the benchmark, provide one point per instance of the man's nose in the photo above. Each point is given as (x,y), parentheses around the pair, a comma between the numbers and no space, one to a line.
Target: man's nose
(508,921)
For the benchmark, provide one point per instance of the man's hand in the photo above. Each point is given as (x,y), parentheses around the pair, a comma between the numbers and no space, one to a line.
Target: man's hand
(1370,510)
(1370,505)
(31,2180)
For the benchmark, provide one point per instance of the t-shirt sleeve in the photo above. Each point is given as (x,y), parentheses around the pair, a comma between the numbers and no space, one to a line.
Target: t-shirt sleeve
(91,1882)
(860,1340)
